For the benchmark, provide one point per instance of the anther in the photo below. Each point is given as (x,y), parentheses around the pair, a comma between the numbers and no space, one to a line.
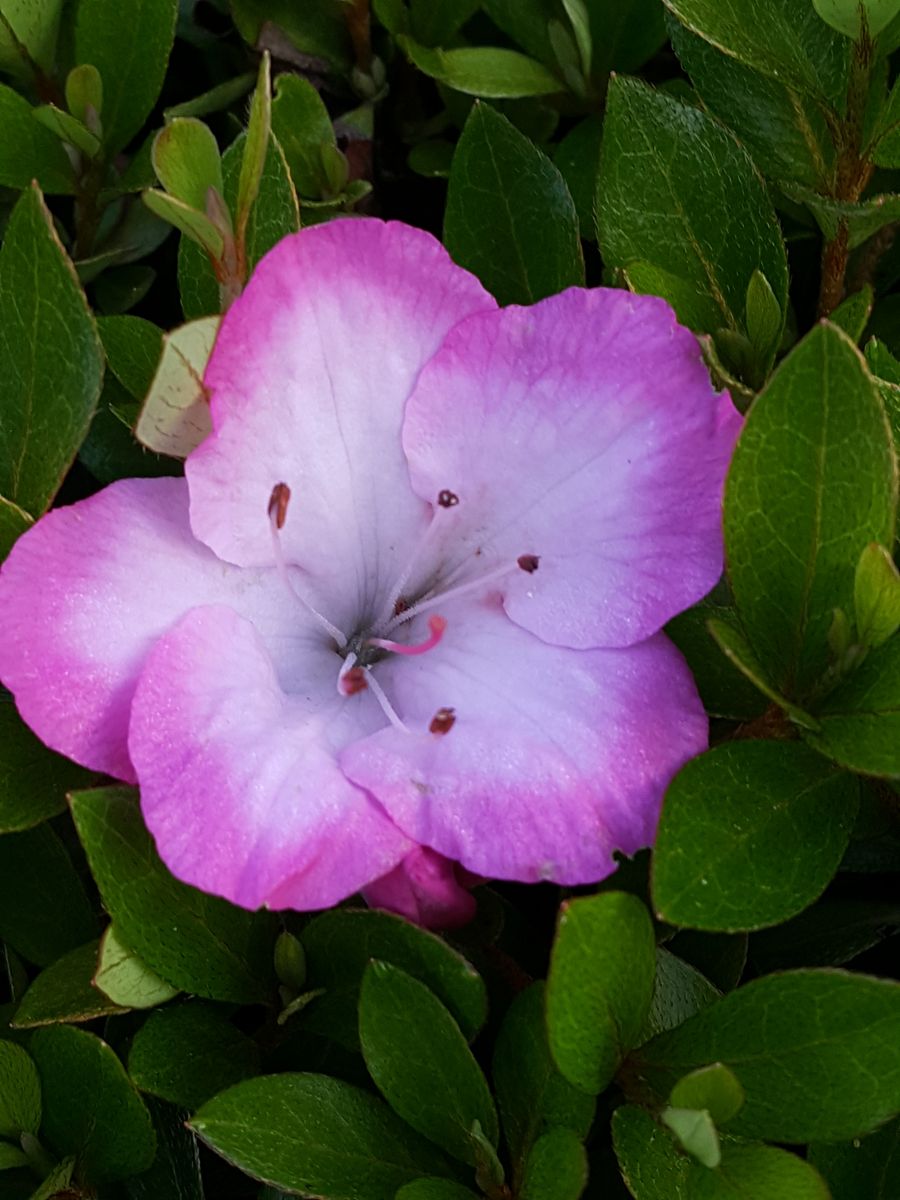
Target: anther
(436,624)
(278,504)
(447,499)
(442,721)
(354,681)
(528,562)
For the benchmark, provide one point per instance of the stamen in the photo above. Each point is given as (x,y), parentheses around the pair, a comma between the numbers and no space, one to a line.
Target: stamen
(437,625)
(442,721)
(396,603)
(525,562)
(386,706)
(277,511)
(351,678)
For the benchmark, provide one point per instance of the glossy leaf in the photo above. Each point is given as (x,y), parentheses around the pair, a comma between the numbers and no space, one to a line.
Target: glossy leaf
(131,56)
(90,1107)
(186,160)
(32,25)
(733,820)
(28,150)
(600,985)
(876,596)
(494,73)
(658,203)
(312,1134)
(186,1053)
(713,1088)
(679,991)
(64,992)
(125,979)
(509,217)
(783,1036)
(792,552)
(197,943)
(53,363)
(420,1061)
(556,1168)
(133,347)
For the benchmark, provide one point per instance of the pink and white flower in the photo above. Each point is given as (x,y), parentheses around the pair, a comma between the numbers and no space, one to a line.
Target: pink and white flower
(406,605)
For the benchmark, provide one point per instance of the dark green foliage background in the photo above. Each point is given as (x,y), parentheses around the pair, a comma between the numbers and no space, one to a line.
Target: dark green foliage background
(721,1017)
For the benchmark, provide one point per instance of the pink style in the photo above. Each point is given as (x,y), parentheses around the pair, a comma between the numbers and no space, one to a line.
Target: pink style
(401,620)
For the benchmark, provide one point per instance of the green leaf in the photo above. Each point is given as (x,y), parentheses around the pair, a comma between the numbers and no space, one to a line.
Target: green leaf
(67,128)
(220,97)
(624,35)
(679,991)
(862,219)
(434,22)
(859,722)
(420,1062)
(301,123)
(13,523)
(11,1157)
(125,979)
(197,943)
(187,1053)
(847,16)
(53,363)
(655,1169)
(131,56)
(434,1189)
(188,221)
(84,94)
(133,348)
(733,819)
(312,1134)
(44,910)
(830,933)
(792,551)
(339,946)
(509,216)
(764,321)
(174,418)
(316,27)
(20,1092)
(713,1088)
(33,780)
(720,957)
(256,145)
(577,157)
(600,985)
(175,1171)
(885,145)
(556,1168)
(876,592)
(64,991)
(275,214)
(784,1037)
(33,24)
(58,1179)
(186,161)
(724,690)
(290,961)
(785,40)
(852,315)
(786,132)
(492,72)
(532,1095)
(866,1167)
(726,632)
(91,1108)
(659,203)
(696,1134)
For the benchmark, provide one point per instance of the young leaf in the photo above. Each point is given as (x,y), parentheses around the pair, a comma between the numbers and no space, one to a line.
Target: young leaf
(315,1135)
(764,321)
(64,992)
(131,56)
(197,943)
(782,1036)
(187,1053)
(91,1109)
(792,552)
(876,593)
(533,1096)
(785,40)
(852,315)
(44,909)
(696,1134)
(340,944)
(125,979)
(189,221)
(256,147)
(556,1168)
(301,123)
(186,161)
(600,985)
(20,1092)
(84,95)
(68,128)
(713,1088)
(491,72)
(53,360)
(509,216)
(175,418)
(732,818)
(420,1062)
(656,152)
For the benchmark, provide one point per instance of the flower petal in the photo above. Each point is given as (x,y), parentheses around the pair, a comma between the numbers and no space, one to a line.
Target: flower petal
(239,782)
(424,889)
(556,757)
(584,431)
(86,592)
(308,381)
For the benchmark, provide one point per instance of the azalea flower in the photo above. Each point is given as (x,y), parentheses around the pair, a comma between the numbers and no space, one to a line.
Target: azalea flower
(401,620)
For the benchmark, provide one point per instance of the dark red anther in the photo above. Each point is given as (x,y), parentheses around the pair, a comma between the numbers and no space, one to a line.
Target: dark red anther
(442,721)
(447,499)
(528,562)
(278,504)
(353,681)
(400,606)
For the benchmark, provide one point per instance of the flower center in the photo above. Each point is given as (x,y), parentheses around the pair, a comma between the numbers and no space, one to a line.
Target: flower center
(364,649)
